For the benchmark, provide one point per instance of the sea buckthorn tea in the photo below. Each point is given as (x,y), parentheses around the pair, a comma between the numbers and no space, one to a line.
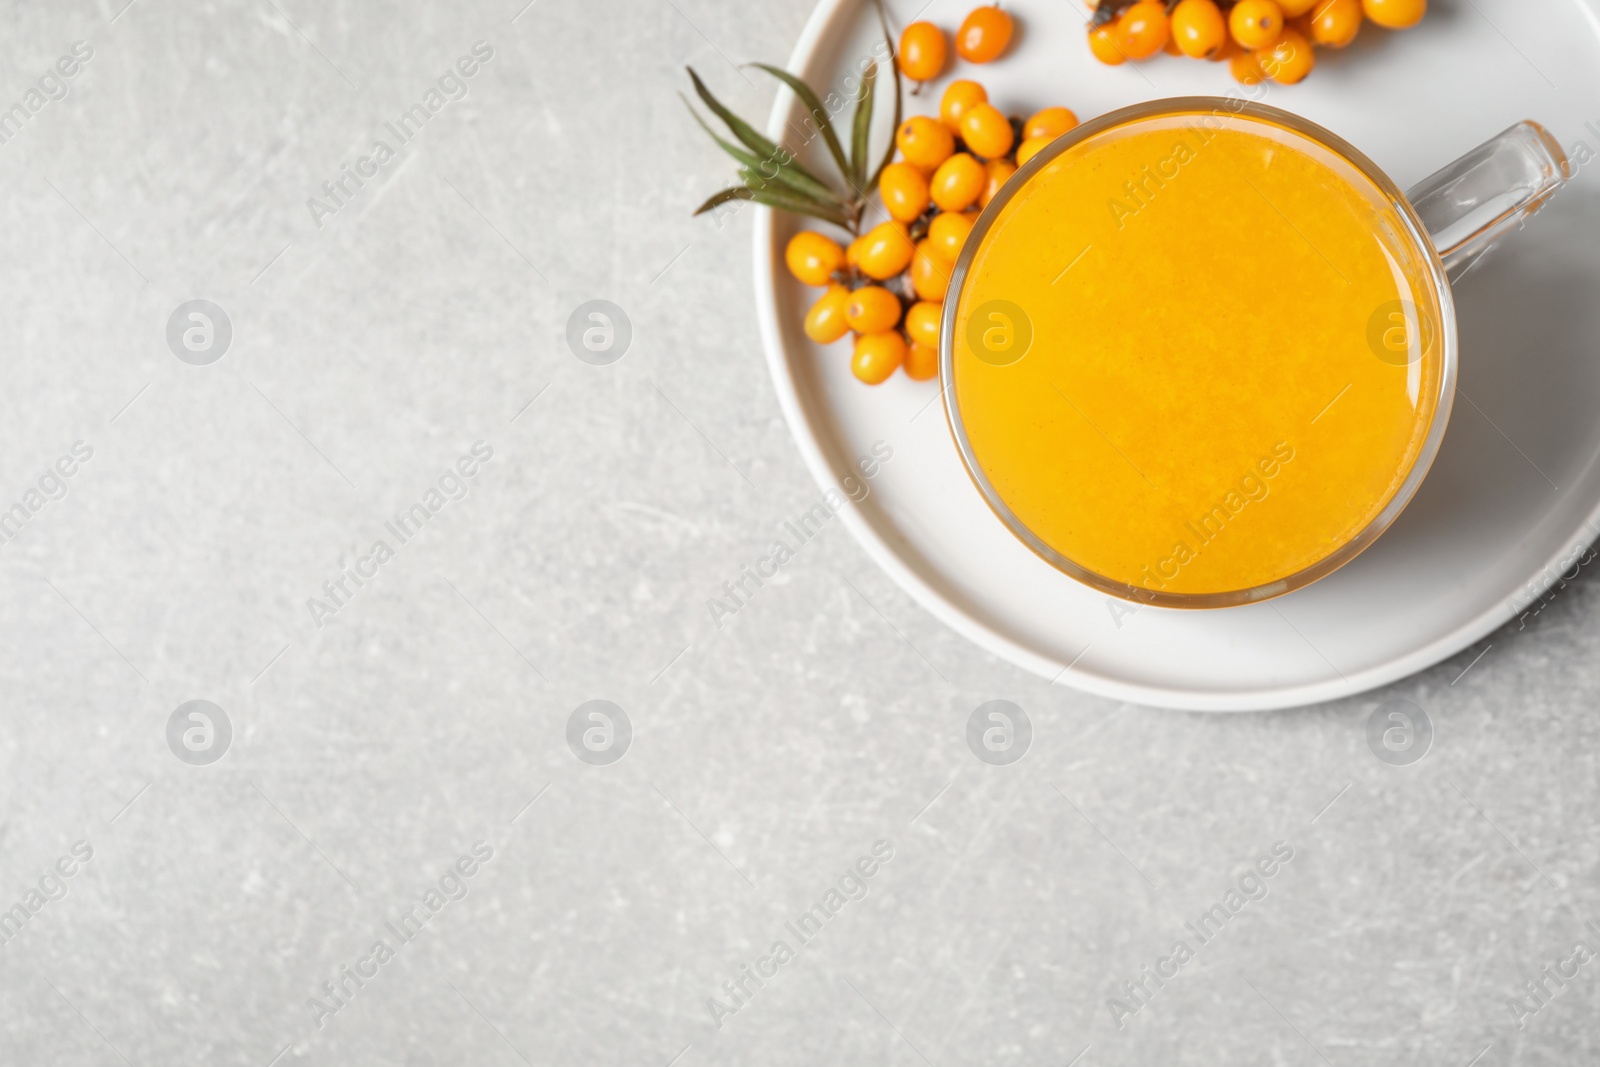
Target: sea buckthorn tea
(1194,353)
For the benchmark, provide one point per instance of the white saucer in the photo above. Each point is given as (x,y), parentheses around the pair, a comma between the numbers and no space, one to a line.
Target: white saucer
(1514,495)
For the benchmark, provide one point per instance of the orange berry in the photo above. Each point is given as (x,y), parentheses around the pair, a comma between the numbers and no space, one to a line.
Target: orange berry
(1245,66)
(924,141)
(922,323)
(999,170)
(958,96)
(1199,28)
(948,232)
(1289,59)
(984,34)
(1335,23)
(1103,45)
(877,355)
(1143,29)
(1255,23)
(886,250)
(987,132)
(1395,14)
(1051,122)
(958,182)
(872,309)
(813,258)
(922,362)
(1293,9)
(1030,148)
(923,51)
(905,191)
(825,322)
(930,272)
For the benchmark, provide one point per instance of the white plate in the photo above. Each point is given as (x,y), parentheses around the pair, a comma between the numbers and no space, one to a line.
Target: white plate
(1511,499)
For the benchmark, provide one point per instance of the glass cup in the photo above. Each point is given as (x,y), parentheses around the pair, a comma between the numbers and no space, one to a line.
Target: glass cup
(1438,231)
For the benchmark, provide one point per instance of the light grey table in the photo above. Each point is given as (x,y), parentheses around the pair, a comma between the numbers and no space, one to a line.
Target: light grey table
(372,744)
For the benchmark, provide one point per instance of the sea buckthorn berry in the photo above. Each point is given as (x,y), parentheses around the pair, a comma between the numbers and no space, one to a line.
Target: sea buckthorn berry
(885,251)
(930,272)
(924,141)
(1289,59)
(1171,47)
(1335,23)
(1255,23)
(1051,122)
(958,182)
(1103,45)
(922,362)
(1030,148)
(905,191)
(1229,49)
(987,132)
(948,232)
(984,34)
(1198,28)
(923,51)
(1395,14)
(958,96)
(1245,66)
(825,322)
(922,323)
(1143,29)
(813,258)
(1293,9)
(872,309)
(877,355)
(999,171)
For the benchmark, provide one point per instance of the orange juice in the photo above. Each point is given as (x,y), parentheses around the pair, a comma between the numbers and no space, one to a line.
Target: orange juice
(1195,356)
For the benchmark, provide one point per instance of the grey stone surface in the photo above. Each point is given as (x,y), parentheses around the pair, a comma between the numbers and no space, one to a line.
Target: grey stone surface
(431,712)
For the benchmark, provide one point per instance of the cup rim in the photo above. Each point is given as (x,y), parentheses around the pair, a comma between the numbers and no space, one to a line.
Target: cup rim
(1232,106)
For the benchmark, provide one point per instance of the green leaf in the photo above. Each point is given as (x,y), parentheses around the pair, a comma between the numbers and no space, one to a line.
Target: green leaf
(775,196)
(774,200)
(738,192)
(861,131)
(749,136)
(797,180)
(894,67)
(819,114)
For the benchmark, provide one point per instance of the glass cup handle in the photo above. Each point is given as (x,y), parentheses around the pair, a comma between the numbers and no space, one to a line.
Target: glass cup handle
(1473,202)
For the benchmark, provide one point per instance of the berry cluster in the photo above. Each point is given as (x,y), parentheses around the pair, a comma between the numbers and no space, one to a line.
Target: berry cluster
(983,35)
(888,285)
(1258,39)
